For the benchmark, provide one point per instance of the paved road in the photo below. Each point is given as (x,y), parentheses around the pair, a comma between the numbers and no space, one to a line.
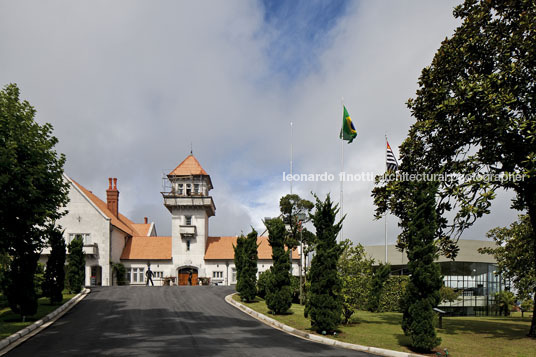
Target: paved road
(165,321)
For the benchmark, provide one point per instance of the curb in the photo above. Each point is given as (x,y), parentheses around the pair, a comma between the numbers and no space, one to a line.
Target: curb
(20,336)
(316,338)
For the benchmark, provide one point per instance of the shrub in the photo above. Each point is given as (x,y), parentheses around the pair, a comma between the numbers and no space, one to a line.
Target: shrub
(262,283)
(392,293)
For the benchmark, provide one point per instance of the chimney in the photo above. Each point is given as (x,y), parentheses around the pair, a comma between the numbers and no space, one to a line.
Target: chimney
(112,197)
(145,219)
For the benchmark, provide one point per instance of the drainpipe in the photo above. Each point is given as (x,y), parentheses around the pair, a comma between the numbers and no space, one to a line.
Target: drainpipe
(227,274)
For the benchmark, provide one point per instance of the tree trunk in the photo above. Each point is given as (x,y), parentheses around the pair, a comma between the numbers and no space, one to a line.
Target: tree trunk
(531,200)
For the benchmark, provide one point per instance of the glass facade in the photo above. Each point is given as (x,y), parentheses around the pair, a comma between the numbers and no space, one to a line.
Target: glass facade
(476,282)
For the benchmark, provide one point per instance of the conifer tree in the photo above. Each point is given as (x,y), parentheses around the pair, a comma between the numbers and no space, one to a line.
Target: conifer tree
(239,260)
(248,277)
(324,304)
(76,265)
(422,292)
(55,271)
(279,294)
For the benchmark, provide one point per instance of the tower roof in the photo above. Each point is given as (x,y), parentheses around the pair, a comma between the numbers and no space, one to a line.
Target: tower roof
(190,166)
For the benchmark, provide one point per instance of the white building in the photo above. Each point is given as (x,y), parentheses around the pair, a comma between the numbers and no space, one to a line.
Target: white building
(187,256)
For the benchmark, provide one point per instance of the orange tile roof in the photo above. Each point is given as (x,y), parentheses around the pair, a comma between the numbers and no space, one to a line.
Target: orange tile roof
(147,248)
(121,222)
(142,228)
(190,166)
(221,248)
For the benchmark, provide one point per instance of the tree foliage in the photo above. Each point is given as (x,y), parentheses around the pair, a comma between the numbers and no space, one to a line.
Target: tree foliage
(278,295)
(392,294)
(355,271)
(324,304)
(475,121)
(76,265)
(379,278)
(32,191)
(247,280)
(293,210)
(447,294)
(504,302)
(239,258)
(119,271)
(515,252)
(54,281)
(422,292)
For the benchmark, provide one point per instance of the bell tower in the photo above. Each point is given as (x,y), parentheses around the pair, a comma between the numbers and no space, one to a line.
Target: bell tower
(190,206)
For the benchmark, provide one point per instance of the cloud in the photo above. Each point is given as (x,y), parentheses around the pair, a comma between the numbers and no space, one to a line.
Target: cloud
(131,86)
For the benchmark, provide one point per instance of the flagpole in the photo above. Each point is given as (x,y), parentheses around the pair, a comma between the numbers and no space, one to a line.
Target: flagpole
(385,216)
(291,156)
(341,178)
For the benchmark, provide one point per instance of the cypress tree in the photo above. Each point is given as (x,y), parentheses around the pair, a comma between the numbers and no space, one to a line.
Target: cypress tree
(422,291)
(239,260)
(248,279)
(76,265)
(55,271)
(325,302)
(278,294)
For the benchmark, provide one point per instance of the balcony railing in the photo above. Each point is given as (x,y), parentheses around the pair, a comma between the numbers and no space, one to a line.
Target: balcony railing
(188,231)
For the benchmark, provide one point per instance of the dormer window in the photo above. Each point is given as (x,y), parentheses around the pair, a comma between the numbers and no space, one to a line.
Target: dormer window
(181,189)
(188,220)
(196,188)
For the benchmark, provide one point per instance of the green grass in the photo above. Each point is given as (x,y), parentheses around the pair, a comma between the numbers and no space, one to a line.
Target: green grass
(11,323)
(462,336)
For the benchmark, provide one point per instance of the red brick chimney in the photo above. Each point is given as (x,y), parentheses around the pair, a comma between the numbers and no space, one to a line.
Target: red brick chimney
(145,219)
(112,197)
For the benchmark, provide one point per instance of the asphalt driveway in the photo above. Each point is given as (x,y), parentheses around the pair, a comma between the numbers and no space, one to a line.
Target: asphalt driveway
(165,321)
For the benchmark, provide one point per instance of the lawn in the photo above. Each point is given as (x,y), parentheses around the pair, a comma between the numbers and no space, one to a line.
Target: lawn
(11,323)
(462,336)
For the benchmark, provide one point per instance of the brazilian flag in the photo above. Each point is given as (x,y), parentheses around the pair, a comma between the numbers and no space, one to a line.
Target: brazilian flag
(348,131)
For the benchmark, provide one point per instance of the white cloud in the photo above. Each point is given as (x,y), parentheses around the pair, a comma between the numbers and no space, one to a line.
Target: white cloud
(130,85)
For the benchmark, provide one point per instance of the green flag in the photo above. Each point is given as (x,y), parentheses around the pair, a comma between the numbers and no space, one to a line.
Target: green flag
(348,131)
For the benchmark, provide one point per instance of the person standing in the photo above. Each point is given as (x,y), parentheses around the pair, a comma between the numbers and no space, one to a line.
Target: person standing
(149,275)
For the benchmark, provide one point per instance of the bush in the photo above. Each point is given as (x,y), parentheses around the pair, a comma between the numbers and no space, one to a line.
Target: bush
(504,302)
(76,265)
(120,273)
(392,293)
(379,278)
(262,283)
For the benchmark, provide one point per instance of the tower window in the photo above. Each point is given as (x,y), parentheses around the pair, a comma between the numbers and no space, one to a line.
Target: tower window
(188,220)
(188,245)
(196,188)
(181,189)
(188,190)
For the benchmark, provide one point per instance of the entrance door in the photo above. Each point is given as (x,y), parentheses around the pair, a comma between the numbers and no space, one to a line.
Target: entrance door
(188,276)
(96,275)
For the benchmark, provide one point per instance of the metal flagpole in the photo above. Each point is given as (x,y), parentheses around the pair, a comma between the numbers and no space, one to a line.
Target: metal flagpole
(291,154)
(385,216)
(341,177)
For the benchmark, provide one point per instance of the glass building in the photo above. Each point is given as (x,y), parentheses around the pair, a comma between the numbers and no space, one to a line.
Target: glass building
(473,275)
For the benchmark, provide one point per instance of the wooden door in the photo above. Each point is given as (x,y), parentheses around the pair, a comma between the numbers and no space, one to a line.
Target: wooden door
(184,276)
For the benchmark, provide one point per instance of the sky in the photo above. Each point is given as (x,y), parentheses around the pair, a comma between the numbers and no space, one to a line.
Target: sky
(132,86)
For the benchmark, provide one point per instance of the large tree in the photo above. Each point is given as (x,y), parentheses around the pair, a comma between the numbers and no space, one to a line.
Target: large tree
(32,192)
(54,281)
(514,254)
(295,213)
(475,121)
(278,294)
(324,303)
(239,259)
(422,291)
